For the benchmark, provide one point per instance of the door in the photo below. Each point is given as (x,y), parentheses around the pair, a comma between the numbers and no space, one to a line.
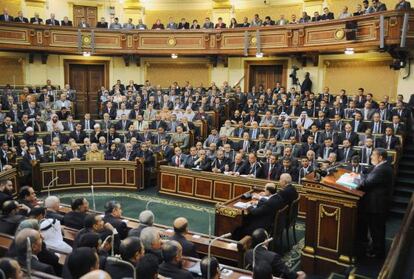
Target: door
(87,80)
(88,12)
(266,75)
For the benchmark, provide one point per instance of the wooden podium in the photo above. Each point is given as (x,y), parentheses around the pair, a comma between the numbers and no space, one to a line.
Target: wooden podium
(331,220)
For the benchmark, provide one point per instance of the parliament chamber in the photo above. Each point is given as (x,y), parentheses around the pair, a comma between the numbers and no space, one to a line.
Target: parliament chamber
(206,139)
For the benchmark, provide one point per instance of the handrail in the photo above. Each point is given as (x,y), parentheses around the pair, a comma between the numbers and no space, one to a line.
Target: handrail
(329,35)
(393,266)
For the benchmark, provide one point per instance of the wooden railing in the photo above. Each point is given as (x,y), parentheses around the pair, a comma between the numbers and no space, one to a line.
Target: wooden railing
(324,36)
(397,264)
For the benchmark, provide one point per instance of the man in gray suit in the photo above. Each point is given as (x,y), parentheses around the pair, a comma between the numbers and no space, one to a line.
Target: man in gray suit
(129,24)
(115,24)
(171,24)
(180,139)
(286,132)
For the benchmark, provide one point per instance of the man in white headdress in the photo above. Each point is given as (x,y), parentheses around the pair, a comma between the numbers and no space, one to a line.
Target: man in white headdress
(305,120)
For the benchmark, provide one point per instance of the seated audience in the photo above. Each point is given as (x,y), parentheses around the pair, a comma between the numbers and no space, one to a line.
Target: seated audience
(172,265)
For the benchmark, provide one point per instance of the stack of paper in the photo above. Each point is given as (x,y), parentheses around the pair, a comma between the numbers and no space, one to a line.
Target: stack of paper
(242,205)
(347,180)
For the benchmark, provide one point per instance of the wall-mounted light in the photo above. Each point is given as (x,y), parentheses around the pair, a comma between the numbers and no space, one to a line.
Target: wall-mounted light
(174,56)
(259,55)
(86,53)
(349,51)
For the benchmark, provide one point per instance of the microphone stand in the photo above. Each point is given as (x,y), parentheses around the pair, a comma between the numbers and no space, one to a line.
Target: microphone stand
(148,204)
(209,250)
(50,184)
(29,258)
(93,198)
(257,246)
(112,243)
(117,260)
(209,222)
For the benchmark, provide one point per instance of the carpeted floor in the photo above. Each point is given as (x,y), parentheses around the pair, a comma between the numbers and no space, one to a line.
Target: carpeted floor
(166,209)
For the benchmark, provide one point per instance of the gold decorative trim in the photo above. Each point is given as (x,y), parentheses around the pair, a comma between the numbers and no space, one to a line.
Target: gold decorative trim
(337,215)
(171,41)
(228,212)
(309,249)
(339,34)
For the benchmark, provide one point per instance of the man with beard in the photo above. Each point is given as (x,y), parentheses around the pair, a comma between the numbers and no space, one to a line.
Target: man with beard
(6,191)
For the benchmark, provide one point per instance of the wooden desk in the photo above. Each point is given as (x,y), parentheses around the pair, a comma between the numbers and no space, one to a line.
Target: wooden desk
(206,186)
(101,174)
(331,220)
(234,273)
(227,250)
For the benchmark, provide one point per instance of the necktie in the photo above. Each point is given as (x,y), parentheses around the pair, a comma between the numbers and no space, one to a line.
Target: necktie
(245,146)
(346,154)
(388,142)
(347,136)
(75,154)
(270,171)
(284,136)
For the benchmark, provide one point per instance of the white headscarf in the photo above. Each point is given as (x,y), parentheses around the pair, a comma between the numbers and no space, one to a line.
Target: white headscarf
(51,231)
(308,120)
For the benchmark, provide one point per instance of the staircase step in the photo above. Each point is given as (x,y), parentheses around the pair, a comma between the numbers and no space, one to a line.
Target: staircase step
(406,163)
(400,200)
(404,189)
(405,180)
(397,210)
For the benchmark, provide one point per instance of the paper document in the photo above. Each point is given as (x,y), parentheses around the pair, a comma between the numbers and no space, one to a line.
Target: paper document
(347,180)
(242,205)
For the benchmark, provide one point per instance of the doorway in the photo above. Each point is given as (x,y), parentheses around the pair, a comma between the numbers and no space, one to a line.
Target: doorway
(88,12)
(265,73)
(87,78)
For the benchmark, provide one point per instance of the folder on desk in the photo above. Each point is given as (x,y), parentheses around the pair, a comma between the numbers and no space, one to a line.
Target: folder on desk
(347,180)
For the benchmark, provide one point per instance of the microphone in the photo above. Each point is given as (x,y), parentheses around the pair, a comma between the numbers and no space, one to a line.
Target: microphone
(29,257)
(209,250)
(93,198)
(118,260)
(148,204)
(50,184)
(112,243)
(209,221)
(255,247)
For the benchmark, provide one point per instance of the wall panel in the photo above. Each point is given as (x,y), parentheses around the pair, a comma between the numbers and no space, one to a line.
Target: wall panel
(374,76)
(11,70)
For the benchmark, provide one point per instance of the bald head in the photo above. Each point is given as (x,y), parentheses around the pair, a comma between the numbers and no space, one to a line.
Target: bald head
(98,273)
(180,225)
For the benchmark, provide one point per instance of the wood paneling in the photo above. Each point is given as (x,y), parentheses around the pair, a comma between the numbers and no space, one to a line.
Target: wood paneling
(89,13)
(295,38)
(375,76)
(11,69)
(166,72)
(265,73)
(87,77)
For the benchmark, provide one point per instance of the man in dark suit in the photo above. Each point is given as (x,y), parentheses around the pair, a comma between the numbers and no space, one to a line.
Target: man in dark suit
(349,135)
(374,204)
(305,168)
(239,131)
(183,24)
(102,23)
(246,144)
(66,22)
(20,18)
(123,124)
(74,154)
(52,21)
(262,212)
(180,229)
(172,265)
(131,250)
(270,168)
(218,164)
(403,5)
(79,135)
(327,14)
(36,19)
(75,218)
(252,167)
(237,166)
(346,152)
(113,214)
(357,124)
(379,6)
(389,141)
(5,16)
(366,151)
(36,247)
(10,218)
(263,255)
